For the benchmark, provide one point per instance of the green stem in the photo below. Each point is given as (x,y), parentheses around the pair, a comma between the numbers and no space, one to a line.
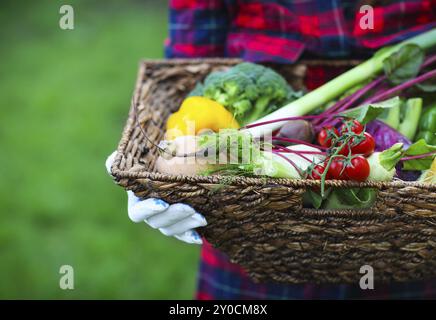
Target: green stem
(327,167)
(411,118)
(259,109)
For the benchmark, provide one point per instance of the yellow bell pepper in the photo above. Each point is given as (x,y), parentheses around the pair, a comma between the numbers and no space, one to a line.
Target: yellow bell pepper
(197,114)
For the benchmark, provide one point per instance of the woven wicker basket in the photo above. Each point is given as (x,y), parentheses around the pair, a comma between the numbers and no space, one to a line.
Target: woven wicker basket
(261,223)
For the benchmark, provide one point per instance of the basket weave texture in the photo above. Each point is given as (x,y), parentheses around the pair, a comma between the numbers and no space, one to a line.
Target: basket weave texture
(260,223)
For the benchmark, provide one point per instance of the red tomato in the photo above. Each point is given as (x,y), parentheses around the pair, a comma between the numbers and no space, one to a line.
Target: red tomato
(336,170)
(345,150)
(366,147)
(317,171)
(358,170)
(356,127)
(325,136)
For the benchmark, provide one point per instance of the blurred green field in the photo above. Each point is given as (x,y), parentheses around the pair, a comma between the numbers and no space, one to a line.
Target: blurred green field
(64,97)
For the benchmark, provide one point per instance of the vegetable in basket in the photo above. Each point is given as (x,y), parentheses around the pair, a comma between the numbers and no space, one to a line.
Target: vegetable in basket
(249,91)
(197,114)
(418,156)
(302,160)
(404,117)
(411,112)
(403,70)
(429,176)
(233,152)
(297,129)
(386,137)
(380,166)
(427,125)
(350,198)
(383,163)
(291,163)
(255,157)
(178,156)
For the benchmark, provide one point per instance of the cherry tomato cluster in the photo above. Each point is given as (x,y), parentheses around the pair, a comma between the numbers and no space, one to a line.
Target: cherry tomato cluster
(348,149)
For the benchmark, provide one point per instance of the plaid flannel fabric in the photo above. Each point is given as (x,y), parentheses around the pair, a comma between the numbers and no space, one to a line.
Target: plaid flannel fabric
(283,31)
(219,279)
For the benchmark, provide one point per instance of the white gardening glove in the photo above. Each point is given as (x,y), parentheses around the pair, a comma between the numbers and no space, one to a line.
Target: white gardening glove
(176,220)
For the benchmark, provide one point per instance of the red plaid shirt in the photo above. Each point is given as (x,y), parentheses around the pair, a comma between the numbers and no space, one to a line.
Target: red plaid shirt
(283,31)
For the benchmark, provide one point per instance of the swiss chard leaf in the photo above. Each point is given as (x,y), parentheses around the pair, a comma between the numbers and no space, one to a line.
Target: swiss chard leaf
(404,64)
(369,112)
(419,148)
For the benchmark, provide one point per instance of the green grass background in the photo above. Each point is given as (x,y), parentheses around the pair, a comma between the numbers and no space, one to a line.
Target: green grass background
(64,97)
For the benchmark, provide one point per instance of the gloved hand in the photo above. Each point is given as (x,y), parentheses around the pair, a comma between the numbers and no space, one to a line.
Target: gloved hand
(176,220)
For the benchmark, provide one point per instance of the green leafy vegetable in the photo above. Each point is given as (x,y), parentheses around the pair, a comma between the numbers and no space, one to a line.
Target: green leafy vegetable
(369,112)
(389,158)
(391,117)
(312,198)
(403,117)
(415,157)
(404,64)
(352,198)
(419,148)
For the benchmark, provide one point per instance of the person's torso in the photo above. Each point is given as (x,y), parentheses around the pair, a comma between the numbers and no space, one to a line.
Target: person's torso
(327,28)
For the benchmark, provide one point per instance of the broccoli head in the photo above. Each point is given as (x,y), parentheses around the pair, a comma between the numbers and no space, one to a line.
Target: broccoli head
(248,90)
